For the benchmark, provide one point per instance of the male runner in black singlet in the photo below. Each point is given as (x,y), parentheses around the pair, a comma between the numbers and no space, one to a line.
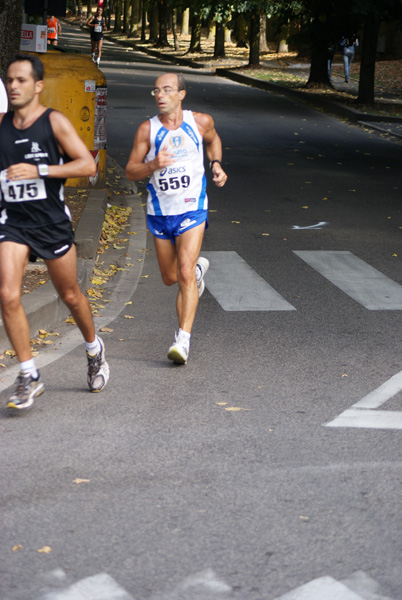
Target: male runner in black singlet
(39,150)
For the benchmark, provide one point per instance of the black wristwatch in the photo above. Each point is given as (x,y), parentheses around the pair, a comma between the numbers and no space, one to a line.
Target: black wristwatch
(43,170)
(214,161)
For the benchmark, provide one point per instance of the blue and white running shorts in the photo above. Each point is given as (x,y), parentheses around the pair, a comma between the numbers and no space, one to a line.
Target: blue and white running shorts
(171,226)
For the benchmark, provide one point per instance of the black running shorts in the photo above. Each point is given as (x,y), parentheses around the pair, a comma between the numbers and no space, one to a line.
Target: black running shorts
(48,242)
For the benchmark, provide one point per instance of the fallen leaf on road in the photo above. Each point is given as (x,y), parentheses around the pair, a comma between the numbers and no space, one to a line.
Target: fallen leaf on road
(78,480)
(128,303)
(128,317)
(16,548)
(236,408)
(44,550)
(106,330)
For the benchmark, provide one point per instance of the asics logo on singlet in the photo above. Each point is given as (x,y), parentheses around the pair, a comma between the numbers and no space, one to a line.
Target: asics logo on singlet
(172,170)
(186,223)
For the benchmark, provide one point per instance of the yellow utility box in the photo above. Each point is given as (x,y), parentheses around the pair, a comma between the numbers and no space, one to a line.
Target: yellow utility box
(76,87)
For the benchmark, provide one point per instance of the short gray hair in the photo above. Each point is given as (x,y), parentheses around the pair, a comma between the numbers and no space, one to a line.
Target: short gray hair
(181,84)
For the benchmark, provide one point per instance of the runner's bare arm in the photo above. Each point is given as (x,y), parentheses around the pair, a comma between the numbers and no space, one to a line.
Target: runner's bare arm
(136,168)
(213,146)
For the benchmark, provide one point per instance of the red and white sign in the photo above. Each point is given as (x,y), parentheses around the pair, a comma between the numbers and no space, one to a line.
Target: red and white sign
(33,38)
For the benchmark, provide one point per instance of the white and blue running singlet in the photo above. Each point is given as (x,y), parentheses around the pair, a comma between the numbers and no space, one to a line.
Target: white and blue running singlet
(181,187)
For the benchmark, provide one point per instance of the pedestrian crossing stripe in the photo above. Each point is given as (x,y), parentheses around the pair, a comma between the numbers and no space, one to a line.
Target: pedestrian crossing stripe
(237,287)
(354,277)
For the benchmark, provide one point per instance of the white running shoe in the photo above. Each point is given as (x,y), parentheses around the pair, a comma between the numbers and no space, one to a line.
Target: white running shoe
(178,352)
(27,389)
(200,270)
(98,369)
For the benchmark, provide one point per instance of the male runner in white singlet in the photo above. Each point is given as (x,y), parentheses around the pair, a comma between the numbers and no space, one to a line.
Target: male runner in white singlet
(169,150)
(39,150)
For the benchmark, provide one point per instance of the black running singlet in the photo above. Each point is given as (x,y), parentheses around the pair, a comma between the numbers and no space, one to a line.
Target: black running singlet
(30,202)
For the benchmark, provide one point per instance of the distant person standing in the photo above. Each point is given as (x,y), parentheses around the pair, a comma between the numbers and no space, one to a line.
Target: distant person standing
(53,30)
(97,25)
(347,47)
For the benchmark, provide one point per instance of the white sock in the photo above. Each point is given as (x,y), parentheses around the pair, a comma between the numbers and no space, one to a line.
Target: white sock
(28,368)
(184,335)
(93,347)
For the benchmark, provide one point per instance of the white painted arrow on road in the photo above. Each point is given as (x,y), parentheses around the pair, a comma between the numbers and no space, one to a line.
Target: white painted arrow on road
(364,413)
(319,225)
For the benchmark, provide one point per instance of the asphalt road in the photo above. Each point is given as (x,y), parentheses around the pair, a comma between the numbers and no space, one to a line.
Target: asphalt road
(222,479)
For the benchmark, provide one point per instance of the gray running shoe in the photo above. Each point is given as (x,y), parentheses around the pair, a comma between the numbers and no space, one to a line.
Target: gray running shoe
(200,270)
(26,391)
(98,369)
(178,352)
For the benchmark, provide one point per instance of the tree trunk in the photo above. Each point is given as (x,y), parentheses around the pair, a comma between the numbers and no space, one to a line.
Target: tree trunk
(143,23)
(126,17)
(263,33)
(319,76)
(118,13)
(107,12)
(10,31)
(185,22)
(163,24)
(219,49)
(135,17)
(195,43)
(211,30)
(174,28)
(254,38)
(241,31)
(89,8)
(368,56)
(153,24)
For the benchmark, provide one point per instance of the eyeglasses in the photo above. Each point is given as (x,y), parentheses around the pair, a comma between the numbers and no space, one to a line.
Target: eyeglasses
(166,90)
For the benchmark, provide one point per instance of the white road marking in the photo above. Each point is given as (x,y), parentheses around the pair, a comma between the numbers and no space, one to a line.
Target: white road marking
(356,278)
(206,580)
(319,225)
(237,287)
(319,589)
(98,587)
(364,413)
